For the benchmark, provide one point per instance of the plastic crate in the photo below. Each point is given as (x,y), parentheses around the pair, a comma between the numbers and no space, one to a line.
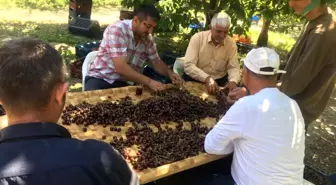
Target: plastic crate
(317,177)
(81,8)
(151,73)
(76,68)
(169,57)
(83,49)
(125,15)
(244,48)
(85,27)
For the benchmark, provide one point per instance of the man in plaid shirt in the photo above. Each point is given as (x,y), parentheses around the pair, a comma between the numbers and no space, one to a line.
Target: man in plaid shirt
(126,46)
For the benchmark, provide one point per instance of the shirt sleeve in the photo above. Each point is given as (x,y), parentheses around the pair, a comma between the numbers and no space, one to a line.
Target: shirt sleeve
(233,66)
(114,42)
(191,60)
(219,140)
(308,66)
(152,53)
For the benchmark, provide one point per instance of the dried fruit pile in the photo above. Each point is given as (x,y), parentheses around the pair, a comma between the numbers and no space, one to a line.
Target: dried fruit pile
(162,147)
(169,105)
(153,148)
(103,113)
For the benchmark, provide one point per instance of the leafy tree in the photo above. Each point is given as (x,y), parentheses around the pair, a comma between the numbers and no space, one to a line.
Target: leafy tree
(181,13)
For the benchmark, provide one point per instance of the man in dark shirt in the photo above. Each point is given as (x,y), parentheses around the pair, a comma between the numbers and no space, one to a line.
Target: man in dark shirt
(34,150)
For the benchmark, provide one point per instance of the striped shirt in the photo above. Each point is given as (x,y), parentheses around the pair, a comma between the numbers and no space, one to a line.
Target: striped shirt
(118,41)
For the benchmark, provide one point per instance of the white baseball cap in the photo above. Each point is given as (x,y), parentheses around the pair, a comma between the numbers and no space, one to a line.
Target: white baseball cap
(264,61)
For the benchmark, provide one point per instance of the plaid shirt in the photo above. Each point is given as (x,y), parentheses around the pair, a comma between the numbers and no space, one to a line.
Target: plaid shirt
(119,41)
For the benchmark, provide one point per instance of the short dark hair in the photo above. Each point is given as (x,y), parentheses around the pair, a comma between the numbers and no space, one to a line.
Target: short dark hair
(29,71)
(147,10)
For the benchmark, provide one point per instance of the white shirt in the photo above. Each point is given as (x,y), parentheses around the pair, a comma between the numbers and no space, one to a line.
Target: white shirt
(267,134)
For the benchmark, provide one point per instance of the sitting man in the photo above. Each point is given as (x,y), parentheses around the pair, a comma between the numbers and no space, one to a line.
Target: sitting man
(126,46)
(34,150)
(265,130)
(211,56)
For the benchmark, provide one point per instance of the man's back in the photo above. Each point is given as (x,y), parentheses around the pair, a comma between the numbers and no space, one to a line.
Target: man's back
(44,154)
(270,149)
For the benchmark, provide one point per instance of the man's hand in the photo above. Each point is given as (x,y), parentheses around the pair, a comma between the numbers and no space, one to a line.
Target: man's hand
(236,94)
(230,86)
(156,86)
(211,85)
(175,78)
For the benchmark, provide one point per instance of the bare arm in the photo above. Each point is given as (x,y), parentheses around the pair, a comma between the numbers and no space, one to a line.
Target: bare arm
(128,72)
(161,67)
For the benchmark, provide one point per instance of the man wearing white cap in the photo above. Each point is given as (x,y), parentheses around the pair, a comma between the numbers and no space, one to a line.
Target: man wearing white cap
(264,130)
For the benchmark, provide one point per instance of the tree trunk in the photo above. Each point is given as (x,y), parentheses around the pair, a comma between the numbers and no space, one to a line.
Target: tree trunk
(210,11)
(263,36)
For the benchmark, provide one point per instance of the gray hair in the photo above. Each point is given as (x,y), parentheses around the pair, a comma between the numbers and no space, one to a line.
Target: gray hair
(221,19)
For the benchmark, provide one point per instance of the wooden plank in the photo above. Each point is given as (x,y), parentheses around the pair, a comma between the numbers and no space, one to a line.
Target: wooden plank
(97,131)
(150,175)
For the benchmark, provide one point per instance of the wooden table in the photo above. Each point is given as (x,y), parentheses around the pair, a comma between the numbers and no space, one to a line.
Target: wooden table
(96,132)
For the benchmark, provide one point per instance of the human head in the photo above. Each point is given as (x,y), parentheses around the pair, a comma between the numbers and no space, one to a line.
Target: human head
(32,80)
(145,19)
(220,26)
(299,5)
(261,67)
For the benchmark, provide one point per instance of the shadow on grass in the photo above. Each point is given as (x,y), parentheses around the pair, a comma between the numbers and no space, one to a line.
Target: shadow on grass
(49,32)
(56,34)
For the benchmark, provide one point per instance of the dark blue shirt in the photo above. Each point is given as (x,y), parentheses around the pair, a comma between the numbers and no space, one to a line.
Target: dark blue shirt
(45,154)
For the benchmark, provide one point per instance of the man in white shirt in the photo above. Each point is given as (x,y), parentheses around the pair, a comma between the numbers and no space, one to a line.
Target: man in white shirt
(265,130)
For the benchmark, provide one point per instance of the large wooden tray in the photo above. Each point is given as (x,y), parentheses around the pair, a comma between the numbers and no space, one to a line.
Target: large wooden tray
(96,132)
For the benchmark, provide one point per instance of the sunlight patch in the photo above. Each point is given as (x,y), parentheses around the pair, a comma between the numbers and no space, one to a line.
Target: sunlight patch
(298,128)
(329,131)
(19,162)
(266,105)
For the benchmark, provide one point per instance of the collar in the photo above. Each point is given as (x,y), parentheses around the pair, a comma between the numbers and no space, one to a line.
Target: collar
(33,130)
(210,39)
(130,30)
(129,26)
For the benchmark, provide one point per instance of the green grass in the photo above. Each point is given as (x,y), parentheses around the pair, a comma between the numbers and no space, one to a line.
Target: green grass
(279,41)
(52,5)
(55,33)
